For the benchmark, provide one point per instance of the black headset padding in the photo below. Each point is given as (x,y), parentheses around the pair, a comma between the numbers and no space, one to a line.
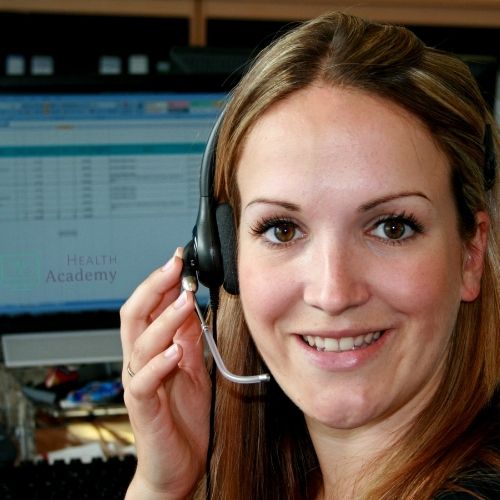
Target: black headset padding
(227,231)
(213,262)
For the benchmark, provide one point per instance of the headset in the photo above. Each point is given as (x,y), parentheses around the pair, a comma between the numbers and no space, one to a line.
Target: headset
(490,162)
(210,257)
(212,251)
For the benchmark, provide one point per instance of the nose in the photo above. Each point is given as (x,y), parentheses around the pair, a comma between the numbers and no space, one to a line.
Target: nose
(337,278)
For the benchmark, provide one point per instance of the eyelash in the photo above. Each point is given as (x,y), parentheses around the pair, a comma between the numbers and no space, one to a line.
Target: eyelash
(407,219)
(265,224)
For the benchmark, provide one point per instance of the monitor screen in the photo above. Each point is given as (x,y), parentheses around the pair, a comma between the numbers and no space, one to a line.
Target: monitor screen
(97,189)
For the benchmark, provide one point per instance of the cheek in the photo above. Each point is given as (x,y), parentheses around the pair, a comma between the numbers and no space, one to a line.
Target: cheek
(429,287)
(262,294)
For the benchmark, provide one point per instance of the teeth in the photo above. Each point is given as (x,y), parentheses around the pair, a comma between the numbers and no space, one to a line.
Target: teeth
(342,344)
(346,343)
(359,340)
(331,345)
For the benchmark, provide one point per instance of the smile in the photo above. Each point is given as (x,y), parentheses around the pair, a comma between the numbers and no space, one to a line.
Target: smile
(343,344)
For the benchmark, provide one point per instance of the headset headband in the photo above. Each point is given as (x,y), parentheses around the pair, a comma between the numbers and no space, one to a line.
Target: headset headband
(489,158)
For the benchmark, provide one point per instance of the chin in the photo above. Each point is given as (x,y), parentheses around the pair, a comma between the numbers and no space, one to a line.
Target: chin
(344,421)
(339,411)
(342,418)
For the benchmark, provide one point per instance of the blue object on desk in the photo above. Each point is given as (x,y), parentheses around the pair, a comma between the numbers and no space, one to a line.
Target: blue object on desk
(95,393)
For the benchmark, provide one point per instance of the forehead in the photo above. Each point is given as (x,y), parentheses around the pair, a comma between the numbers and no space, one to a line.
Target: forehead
(332,138)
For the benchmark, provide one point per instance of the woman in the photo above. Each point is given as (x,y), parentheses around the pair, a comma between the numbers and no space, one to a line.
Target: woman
(360,167)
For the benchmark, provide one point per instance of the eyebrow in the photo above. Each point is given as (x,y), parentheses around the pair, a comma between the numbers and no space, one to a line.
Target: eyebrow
(283,204)
(363,208)
(390,197)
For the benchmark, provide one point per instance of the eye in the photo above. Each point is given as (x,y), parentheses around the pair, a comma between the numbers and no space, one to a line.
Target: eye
(396,228)
(283,232)
(278,231)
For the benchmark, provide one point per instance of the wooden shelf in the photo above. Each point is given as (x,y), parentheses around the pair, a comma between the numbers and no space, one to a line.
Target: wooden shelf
(170,8)
(462,13)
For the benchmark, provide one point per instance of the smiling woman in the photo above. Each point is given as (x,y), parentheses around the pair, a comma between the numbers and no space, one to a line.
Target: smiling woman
(375,256)
(360,167)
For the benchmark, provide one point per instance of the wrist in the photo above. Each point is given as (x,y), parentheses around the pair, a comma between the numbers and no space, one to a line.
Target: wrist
(141,490)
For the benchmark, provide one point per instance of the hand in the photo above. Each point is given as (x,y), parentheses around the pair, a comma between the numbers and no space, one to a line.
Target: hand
(168,397)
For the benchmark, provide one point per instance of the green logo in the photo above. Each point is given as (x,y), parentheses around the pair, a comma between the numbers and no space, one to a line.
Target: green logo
(20,272)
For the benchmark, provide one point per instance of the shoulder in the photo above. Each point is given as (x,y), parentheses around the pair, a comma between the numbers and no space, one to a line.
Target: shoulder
(480,483)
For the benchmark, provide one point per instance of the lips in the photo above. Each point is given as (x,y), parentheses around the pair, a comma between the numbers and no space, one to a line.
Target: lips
(342,344)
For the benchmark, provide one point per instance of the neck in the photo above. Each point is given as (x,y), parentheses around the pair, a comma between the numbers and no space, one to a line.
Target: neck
(350,459)
(345,460)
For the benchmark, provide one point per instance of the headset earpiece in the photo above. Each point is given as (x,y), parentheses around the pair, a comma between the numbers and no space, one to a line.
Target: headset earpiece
(214,236)
(206,246)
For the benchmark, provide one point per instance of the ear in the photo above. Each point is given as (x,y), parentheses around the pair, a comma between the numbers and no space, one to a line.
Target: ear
(473,259)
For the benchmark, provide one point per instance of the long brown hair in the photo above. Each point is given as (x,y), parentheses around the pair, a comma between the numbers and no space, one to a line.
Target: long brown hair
(262,447)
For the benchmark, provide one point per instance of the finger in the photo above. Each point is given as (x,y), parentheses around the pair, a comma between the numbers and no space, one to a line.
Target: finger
(160,333)
(166,300)
(145,383)
(190,337)
(142,394)
(149,294)
(160,287)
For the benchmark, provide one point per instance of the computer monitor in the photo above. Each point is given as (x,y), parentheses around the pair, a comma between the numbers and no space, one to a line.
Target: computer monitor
(97,189)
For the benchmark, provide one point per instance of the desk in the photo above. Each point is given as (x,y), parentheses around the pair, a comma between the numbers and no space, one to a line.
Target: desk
(112,433)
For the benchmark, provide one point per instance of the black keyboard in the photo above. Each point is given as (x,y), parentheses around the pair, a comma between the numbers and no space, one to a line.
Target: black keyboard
(75,480)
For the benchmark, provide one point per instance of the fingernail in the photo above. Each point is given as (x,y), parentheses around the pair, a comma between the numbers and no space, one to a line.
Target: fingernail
(168,265)
(181,300)
(171,352)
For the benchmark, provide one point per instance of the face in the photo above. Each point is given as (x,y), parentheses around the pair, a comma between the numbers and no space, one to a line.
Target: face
(350,261)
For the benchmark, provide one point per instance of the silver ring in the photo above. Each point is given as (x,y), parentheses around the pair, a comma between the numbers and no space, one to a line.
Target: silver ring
(129,370)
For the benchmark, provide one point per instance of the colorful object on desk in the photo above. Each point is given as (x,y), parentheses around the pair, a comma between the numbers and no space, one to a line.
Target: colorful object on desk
(98,392)
(60,375)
